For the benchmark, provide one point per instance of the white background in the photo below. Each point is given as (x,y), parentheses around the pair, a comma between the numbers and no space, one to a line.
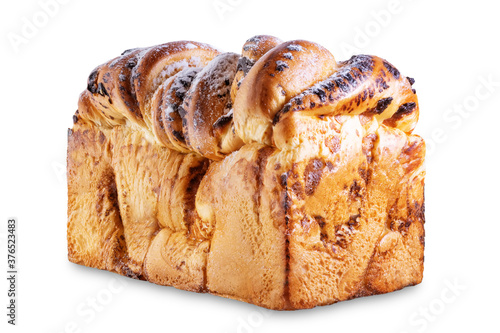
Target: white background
(451,48)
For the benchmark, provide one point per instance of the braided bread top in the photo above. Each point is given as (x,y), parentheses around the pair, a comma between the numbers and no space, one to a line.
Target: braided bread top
(191,97)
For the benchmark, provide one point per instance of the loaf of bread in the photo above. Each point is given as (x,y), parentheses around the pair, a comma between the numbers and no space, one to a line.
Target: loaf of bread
(278,177)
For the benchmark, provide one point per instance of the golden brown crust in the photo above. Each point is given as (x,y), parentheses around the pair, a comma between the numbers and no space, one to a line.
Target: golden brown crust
(88,112)
(95,229)
(247,253)
(158,121)
(253,49)
(160,62)
(111,87)
(351,239)
(176,260)
(307,192)
(280,74)
(363,84)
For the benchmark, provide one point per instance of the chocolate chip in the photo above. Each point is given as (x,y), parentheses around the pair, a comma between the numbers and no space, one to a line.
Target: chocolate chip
(131,63)
(294,47)
(312,175)
(320,93)
(101,90)
(281,65)
(403,110)
(406,108)
(254,39)
(364,63)
(342,84)
(92,81)
(393,70)
(244,64)
(283,179)
(382,104)
(355,190)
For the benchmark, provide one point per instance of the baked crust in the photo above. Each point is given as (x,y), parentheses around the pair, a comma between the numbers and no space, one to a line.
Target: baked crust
(279,177)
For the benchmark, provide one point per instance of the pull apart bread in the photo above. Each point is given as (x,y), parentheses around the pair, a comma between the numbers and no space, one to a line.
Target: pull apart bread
(278,177)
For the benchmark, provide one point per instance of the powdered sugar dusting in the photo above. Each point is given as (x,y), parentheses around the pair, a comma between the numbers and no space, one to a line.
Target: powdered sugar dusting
(203,46)
(254,39)
(115,61)
(125,53)
(143,53)
(183,80)
(168,111)
(281,65)
(295,47)
(220,71)
(217,77)
(190,46)
(176,67)
(181,83)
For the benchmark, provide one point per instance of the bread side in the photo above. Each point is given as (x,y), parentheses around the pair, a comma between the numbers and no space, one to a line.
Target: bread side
(354,212)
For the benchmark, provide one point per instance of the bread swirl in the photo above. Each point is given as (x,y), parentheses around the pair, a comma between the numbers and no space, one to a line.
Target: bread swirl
(280,177)
(172,98)
(206,101)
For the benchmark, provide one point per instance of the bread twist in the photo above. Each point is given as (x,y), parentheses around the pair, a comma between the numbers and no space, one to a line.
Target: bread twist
(190,97)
